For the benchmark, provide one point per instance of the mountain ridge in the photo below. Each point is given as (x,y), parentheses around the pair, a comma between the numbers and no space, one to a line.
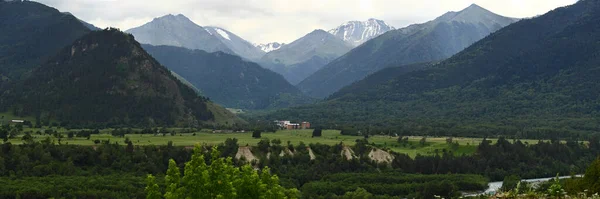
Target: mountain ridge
(434,40)
(358,32)
(178,30)
(305,55)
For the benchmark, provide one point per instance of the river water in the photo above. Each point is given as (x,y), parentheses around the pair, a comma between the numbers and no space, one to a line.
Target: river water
(493,187)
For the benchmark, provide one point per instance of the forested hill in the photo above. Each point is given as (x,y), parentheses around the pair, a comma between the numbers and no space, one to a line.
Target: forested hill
(30,33)
(538,74)
(107,78)
(228,79)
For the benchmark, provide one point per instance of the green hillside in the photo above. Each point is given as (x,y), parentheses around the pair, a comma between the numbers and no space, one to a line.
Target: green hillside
(106,78)
(536,76)
(32,32)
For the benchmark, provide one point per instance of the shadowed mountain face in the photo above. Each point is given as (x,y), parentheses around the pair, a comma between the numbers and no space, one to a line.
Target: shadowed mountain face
(535,74)
(297,60)
(178,30)
(106,78)
(31,32)
(434,40)
(228,79)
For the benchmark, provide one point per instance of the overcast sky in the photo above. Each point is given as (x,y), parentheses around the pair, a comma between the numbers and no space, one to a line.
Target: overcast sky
(263,21)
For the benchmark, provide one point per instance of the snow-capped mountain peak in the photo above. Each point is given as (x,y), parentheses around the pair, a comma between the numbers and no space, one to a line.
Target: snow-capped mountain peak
(270,46)
(358,32)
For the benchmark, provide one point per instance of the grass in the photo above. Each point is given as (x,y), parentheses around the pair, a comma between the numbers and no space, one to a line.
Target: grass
(330,137)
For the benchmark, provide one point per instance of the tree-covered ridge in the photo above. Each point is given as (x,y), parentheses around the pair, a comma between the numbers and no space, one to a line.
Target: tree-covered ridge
(228,79)
(32,32)
(536,75)
(434,40)
(106,78)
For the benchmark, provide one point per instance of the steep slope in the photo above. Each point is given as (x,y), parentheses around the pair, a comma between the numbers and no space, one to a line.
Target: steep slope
(178,30)
(358,32)
(30,33)
(238,45)
(270,46)
(537,75)
(297,60)
(106,78)
(229,80)
(434,40)
(86,24)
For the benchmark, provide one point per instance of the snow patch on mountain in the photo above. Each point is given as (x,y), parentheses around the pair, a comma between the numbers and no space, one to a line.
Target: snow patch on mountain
(270,46)
(358,32)
(223,34)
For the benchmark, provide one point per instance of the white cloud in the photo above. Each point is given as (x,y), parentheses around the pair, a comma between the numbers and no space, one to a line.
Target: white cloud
(264,21)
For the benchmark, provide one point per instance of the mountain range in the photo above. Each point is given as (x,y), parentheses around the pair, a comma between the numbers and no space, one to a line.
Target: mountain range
(238,45)
(536,75)
(299,59)
(358,32)
(228,79)
(107,72)
(434,40)
(178,30)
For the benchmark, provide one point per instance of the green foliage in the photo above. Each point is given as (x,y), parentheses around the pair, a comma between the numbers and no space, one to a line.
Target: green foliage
(24,25)
(317,132)
(394,184)
(256,133)
(220,179)
(533,79)
(228,79)
(510,182)
(591,179)
(143,93)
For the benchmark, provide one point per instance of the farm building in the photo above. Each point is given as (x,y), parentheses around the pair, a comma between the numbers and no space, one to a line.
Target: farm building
(284,124)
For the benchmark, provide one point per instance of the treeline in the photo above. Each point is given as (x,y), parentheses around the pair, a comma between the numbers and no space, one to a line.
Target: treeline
(299,165)
(395,184)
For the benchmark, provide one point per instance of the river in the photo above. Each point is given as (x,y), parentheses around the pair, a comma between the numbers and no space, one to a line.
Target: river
(493,187)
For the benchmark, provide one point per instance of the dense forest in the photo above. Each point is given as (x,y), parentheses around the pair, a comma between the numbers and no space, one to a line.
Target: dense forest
(325,172)
(32,32)
(536,76)
(107,72)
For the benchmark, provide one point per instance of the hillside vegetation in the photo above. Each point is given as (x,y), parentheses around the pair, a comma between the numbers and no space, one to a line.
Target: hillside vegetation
(536,76)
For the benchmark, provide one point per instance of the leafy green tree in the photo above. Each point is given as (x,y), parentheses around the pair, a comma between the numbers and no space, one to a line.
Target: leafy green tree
(359,193)
(592,177)
(256,133)
(220,179)
(317,132)
(510,182)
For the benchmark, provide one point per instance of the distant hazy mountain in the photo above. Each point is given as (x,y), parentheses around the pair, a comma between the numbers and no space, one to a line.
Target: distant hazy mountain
(178,30)
(535,77)
(358,32)
(109,72)
(435,40)
(30,33)
(297,60)
(270,46)
(238,45)
(228,79)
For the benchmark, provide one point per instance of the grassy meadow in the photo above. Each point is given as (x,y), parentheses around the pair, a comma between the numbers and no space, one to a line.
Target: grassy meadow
(412,147)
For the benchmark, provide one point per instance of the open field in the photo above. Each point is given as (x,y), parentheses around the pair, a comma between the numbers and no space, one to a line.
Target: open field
(330,137)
